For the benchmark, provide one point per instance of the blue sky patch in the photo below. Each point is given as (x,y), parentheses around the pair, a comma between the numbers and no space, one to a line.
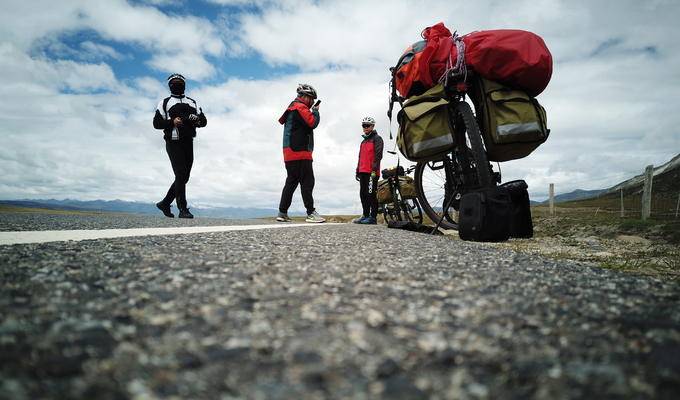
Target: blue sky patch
(129,60)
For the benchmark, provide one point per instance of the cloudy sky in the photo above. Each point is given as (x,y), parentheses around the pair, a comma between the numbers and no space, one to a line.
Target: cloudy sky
(82,79)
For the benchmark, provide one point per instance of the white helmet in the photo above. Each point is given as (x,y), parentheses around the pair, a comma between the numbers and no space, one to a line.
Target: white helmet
(368,121)
(307,90)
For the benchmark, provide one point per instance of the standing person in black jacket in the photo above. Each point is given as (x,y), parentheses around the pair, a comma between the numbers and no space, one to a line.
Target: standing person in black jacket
(178,116)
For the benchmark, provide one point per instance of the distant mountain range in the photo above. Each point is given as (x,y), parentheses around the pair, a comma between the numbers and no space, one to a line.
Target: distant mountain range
(666,182)
(577,194)
(135,207)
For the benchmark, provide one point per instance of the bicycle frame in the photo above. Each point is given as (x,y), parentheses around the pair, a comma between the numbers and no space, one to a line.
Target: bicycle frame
(465,166)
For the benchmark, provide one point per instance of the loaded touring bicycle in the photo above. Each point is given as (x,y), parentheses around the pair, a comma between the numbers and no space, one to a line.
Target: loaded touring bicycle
(452,145)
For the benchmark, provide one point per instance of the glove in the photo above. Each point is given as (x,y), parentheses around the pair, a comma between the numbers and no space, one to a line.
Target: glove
(357,177)
(193,117)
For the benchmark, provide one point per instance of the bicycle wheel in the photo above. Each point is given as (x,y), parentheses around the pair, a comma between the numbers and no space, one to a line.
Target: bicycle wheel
(386,217)
(441,183)
(470,146)
(412,210)
(396,206)
(435,191)
(392,214)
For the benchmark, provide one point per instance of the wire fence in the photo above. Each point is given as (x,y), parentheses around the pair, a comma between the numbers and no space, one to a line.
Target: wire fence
(664,205)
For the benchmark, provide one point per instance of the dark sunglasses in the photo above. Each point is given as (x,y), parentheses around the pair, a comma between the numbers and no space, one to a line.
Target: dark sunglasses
(366,125)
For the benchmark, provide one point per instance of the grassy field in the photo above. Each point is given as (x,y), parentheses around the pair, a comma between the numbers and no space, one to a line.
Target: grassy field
(14,209)
(588,234)
(664,202)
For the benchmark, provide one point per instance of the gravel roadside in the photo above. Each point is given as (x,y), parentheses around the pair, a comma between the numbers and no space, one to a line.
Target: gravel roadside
(336,312)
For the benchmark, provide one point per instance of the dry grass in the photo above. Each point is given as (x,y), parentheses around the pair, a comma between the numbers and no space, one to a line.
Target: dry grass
(591,235)
(14,209)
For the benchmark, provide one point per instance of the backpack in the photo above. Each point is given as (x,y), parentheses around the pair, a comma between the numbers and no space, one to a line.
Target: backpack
(407,74)
(512,122)
(484,215)
(422,63)
(425,131)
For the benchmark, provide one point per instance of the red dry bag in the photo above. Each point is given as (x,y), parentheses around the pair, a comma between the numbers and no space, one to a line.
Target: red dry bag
(517,58)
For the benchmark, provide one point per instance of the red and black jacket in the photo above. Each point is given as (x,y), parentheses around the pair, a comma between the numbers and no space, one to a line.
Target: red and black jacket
(370,153)
(298,123)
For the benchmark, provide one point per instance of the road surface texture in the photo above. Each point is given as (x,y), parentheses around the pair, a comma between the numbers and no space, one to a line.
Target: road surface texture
(336,312)
(44,221)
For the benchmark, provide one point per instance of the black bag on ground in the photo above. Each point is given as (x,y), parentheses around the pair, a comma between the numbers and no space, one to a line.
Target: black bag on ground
(521,225)
(484,215)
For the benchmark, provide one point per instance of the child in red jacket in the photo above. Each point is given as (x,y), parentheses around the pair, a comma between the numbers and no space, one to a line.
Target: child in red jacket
(370,154)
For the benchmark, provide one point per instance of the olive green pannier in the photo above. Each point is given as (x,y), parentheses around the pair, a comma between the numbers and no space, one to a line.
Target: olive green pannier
(407,185)
(512,122)
(425,132)
(384,194)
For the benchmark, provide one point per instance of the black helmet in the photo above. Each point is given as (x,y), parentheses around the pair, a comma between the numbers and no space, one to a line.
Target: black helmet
(304,89)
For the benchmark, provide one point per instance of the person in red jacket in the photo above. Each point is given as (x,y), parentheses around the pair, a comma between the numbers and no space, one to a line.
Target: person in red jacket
(299,121)
(370,154)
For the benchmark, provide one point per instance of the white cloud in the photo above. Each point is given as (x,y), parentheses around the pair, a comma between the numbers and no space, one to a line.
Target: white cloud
(610,115)
(22,70)
(166,37)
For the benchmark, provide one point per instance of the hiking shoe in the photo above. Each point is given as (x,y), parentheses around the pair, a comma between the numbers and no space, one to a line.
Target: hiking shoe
(358,220)
(315,217)
(282,217)
(185,213)
(368,221)
(165,209)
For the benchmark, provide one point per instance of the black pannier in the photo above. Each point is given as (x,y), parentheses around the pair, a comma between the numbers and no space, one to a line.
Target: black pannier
(484,215)
(521,225)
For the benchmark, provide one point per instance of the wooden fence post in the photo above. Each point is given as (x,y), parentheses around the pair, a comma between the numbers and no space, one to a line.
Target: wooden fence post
(647,193)
(551,194)
(622,212)
(677,206)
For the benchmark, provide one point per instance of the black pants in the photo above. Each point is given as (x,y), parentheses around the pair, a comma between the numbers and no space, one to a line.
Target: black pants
(299,172)
(368,189)
(181,153)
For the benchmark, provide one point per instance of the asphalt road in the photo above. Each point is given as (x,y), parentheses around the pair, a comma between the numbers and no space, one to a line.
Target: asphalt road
(340,311)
